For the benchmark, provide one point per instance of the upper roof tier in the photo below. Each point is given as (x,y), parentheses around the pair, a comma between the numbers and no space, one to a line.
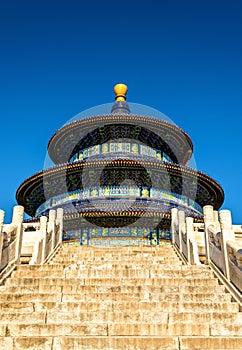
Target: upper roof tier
(117,121)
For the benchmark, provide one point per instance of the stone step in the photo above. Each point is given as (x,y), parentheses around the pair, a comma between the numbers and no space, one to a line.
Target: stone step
(146,296)
(211,343)
(151,317)
(105,257)
(147,263)
(38,273)
(114,342)
(33,268)
(30,297)
(120,257)
(114,252)
(129,273)
(116,257)
(130,304)
(166,305)
(122,329)
(113,256)
(117,250)
(213,318)
(30,318)
(166,281)
(106,266)
(115,306)
(58,311)
(134,288)
(124,266)
(104,272)
(109,264)
(117,329)
(73,289)
(142,296)
(116,265)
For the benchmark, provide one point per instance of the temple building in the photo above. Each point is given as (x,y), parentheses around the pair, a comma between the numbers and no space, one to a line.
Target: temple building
(117,175)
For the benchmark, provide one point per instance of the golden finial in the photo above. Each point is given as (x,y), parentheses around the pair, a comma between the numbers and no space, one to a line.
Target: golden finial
(120,91)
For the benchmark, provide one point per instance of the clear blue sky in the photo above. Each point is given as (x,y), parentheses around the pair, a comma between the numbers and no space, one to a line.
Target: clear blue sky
(183,58)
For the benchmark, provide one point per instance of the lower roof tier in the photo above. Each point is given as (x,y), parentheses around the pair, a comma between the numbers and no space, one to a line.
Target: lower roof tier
(151,174)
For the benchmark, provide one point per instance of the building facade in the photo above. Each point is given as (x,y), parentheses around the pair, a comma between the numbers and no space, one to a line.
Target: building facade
(117,176)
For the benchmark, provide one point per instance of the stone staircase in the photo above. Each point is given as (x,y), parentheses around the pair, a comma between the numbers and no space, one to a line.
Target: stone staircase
(117,298)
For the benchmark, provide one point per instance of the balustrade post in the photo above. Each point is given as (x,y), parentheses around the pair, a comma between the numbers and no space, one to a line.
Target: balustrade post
(43,228)
(181,225)
(174,224)
(60,213)
(17,220)
(227,234)
(52,227)
(216,220)
(208,221)
(190,237)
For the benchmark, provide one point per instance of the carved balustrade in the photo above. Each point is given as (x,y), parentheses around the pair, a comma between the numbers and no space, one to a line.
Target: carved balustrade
(36,241)
(213,242)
